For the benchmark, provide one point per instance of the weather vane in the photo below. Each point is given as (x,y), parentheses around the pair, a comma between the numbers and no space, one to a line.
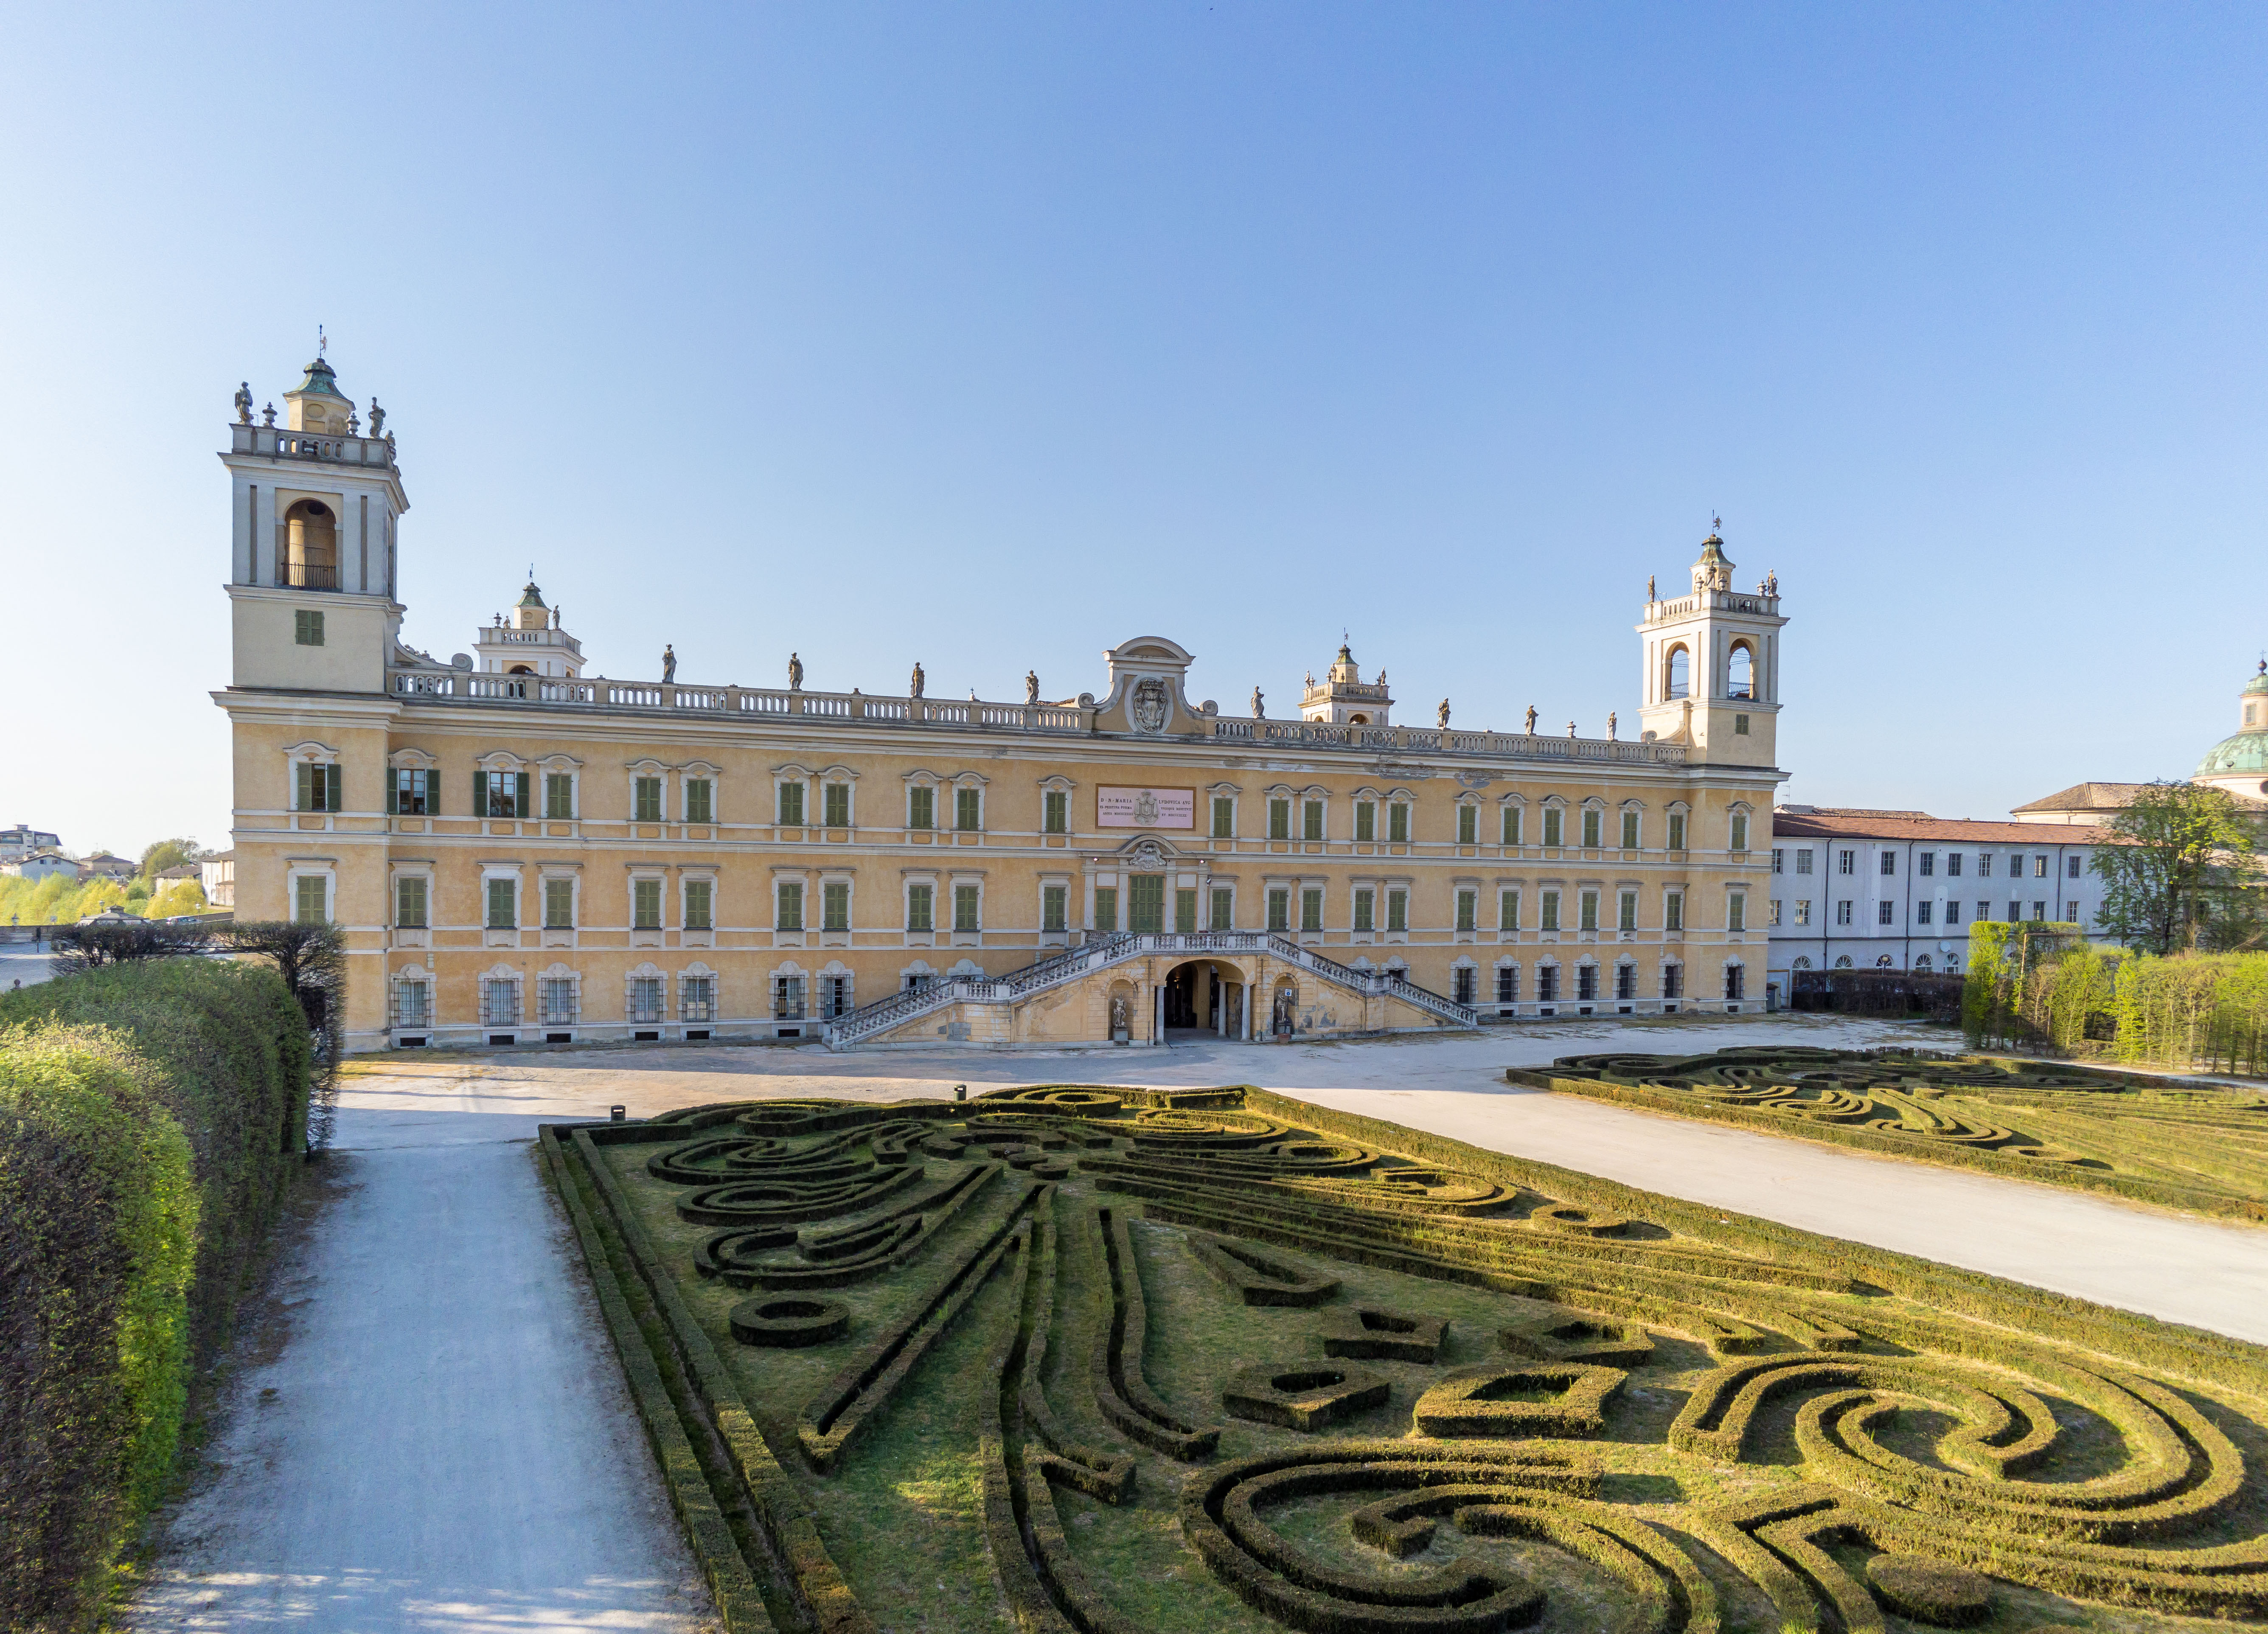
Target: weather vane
(322,341)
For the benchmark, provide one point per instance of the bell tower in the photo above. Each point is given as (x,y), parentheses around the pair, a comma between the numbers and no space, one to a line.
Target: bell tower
(1711,662)
(316,505)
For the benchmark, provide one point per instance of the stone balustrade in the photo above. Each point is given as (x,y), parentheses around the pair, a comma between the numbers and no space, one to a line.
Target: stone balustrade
(279,442)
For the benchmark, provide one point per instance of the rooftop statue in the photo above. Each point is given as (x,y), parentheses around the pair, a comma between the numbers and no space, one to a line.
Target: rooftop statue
(1531,720)
(1259,705)
(1445,714)
(913,690)
(376,419)
(244,403)
(794,673)
(668,664)
(1031,686)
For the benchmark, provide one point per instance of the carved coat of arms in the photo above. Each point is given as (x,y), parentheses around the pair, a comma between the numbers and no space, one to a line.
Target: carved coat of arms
(1145,809)
(1148,706)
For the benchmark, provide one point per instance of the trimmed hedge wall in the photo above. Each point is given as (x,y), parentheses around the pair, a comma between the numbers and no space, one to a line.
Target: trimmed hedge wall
(150,1117)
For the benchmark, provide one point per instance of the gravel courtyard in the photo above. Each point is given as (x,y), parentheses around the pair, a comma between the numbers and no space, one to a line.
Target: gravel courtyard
(441,1439)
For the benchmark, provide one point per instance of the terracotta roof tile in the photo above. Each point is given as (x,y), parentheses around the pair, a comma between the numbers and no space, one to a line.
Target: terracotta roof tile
(1826,823)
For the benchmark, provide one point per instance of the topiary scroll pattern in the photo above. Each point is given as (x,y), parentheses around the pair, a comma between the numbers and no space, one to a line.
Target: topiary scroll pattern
(1214,1360)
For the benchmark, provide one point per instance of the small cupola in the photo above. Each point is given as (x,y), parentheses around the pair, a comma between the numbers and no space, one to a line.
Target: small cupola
(1343,698)
(530,640)
(531,613)
(317,404)
(1712,570)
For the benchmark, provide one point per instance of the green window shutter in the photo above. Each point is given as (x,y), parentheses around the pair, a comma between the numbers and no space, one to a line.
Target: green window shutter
(520,807)
(921,808)
(1053,908)
(1398,824)
(1366,910)
(1105,908)
(917,908)
(964,907)
(1224,909)
(1311,910)
(1279,819)
(835,906)
(698,800)
(1185,910)
(965,807)
(302,783)
(1512,825)
(838,804)
(430,785)
(1224,817)
(331,780)
(699,905)
(480,794)
(1397,910)
(1279,910)
(791,805)
(1468,905)
(1468,823)
(1508,911)
(393,795)
(1311,826)
(1591,830)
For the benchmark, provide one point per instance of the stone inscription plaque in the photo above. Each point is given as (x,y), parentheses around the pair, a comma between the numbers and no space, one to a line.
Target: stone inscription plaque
(1145,808)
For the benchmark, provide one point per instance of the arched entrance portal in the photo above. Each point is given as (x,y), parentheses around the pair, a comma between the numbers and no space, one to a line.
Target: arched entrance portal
(1204,996)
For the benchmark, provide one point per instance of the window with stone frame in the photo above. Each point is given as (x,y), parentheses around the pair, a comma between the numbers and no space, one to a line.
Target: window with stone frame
(1469,907)
(413,792)
(1676,831)
(837,796)
(558,904)
(1587,907)
(1054,812)
(1512,825)
(834,905)
(1397,823)
(1593,820)
(1673,911)
(1185,910)
(1626,910)
(1224,817)
(700,905)
(1554,825)
(921,806)
(1469,825)
(410,903)
(1366,909)
(700,800)
(787,904)
(1279,909)
(1550,908)
(1055,907)
(1366,822)
(1740,831)
(315,786)
(1311,908)
(645,904)
(1224,909)
(1630,831)
(1311,820)
(559,796)
(964,908)
(646,799)
(1105,908)
(1507,910)
(311,901)
(967,809)
(919,910)
(1398,911)
(790,804)
(1279,819)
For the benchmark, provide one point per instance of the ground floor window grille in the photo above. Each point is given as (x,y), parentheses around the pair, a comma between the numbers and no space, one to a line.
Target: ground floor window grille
(1672,981)
(500,1002)
(1507,985)
(1547,984)
(787,998)
(1625,981)
(918,980)
(556,996)
(696,998)
(1734,981)
(1465,985)
(1587,981)
(645,999)
(834,997)
(412,1006)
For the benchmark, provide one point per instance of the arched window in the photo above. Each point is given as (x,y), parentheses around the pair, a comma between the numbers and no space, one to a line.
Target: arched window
(1803,963)
(1922,965)
(1844,963)
(1740,679)
(1678,677)
(1359,721)
(311,545)
(1883,963)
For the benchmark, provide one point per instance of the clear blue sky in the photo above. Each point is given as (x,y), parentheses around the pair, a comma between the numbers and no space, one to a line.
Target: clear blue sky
(994,336)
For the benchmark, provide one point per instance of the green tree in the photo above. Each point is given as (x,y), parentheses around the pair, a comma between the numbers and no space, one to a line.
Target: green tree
(178,896)
(2179,872)
(162,854)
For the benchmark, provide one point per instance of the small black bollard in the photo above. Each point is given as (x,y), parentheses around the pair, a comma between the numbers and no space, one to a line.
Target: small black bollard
(618,1113)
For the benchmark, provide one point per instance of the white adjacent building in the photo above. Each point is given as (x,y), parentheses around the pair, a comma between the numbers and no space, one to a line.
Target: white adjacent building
(1894,890)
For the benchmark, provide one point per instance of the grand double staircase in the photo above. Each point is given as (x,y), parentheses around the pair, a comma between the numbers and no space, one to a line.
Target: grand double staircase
(871,1021)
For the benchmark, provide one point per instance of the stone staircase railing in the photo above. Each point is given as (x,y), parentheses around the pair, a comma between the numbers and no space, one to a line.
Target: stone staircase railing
(872,1021)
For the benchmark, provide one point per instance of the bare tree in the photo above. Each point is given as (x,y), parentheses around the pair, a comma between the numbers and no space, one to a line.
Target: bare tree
(312,959)
(91,946)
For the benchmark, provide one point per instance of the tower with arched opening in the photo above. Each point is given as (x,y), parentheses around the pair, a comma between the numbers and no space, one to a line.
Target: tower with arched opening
(1711,665)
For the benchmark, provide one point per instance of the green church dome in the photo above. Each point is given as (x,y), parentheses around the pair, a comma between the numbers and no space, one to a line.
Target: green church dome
(2245,752)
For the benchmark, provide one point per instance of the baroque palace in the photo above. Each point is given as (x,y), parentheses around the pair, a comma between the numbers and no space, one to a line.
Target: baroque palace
(519,851)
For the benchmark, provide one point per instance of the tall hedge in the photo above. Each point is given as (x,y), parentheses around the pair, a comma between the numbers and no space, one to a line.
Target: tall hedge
(98,1228)
(2036,987)
(102,1075)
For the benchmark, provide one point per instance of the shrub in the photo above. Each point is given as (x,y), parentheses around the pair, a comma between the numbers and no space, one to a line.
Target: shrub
(98,1224)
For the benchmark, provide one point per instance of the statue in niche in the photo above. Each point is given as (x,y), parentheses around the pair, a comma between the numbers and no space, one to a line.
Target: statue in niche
(1118,1016)
(1286,1019)
(1444,713)
(1610,726)
(1531,720)
(794,673)
(668,663)
(1031,686)
(1259,705)
(920,680)
(376,419)
(244,403)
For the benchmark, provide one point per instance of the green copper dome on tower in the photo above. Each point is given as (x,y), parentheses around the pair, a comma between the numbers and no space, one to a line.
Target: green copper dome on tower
(2244,754)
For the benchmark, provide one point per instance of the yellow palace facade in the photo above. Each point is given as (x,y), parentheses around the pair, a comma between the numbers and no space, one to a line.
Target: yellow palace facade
(517,851)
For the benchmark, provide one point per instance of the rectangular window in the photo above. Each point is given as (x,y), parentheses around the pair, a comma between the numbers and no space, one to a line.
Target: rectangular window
(1740,831)
(1054,812)
(1626,911)
(315,788)
(700,905)
(1311,910)
(1224,817)
(1224,909)
(1843,912)
(696,998)
(2071,867)
(1311,821)
(644,1001)
(1677,831)
(410,903)
(1803,860)
(1507,910)
(921,808)
(500,1002)
(554,997)
(1055,907)
(1397,910)
(1279,910)
(559,796)
(918,915)
(1984,910)
(1625,981)
(1921,912)
(412,790)
(1279,819)
(1673,911)
(1185,910)
(646,905)
(1983,865)
(700,800)
(838,804)
(1145,904)
(789,805)
(787,903)
(1547,984)
(1889,864)
(504,904)
(1366,822)
(1507,984)
(1397,823)
(1469,907)
(558,904)
(409,1004)
(648,806)
(787,998)
(1953,913)
(964,907)
(1885,913)
(1469,825)
(1803,911)
(1586,910)
(1772,922)
(2039,867)
(1630,831)
(1587,981)
(1366,909)
(1846,861)
(309,900)
(1591,820)
(1512,825)
(1740,725)
(1551,921)
(2039,911)
(500,793)
(1553,817)
(1462,989)
(1673,981)
(967,807)
(1953,864)
(307,629)
(834,905)
(1736,980)
(1105,908)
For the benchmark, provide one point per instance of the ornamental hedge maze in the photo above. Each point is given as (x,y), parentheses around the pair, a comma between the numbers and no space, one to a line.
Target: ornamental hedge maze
(1129,1362)
(2188,1146)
